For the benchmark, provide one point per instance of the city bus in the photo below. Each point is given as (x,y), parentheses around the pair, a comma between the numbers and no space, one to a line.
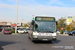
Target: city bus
(42,28)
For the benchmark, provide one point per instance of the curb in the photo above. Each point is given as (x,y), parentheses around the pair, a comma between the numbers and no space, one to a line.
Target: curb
(17,34)
(63,34)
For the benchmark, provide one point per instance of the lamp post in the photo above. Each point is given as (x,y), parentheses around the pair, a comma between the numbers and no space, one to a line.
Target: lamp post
(16,17)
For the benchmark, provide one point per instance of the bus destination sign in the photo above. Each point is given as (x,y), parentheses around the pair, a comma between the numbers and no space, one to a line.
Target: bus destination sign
(45,18)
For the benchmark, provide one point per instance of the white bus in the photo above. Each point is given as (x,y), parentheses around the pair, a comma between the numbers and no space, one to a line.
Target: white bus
(42,28)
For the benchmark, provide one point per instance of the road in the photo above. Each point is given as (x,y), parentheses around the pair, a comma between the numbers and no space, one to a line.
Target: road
(21,42)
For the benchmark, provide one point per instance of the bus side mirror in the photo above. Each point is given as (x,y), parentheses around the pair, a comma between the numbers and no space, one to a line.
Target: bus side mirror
(32,22)
(56,23)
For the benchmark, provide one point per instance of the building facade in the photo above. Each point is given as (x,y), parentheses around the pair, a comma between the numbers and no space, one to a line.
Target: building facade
(70,19)
(5,23)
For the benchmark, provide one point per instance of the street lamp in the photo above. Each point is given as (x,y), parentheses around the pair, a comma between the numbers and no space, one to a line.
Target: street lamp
(16,17)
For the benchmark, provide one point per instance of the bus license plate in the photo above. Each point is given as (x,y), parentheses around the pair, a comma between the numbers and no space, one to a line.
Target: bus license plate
(45,34)
(44,39)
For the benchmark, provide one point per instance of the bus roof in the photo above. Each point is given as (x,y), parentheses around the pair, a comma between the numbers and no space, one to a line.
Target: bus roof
(42,18)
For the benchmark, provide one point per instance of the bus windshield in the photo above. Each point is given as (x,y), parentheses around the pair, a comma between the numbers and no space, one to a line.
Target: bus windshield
(45,26)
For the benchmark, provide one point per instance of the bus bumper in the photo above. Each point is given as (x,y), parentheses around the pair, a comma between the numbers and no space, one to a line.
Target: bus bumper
(44,38)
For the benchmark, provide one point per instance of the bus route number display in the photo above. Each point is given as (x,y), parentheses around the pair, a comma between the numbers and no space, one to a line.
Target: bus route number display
(45,19)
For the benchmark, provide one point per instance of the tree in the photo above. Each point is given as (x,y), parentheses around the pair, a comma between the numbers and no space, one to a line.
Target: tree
(66,27)
(26,25)
(61,23)
(73,23)
(70,27)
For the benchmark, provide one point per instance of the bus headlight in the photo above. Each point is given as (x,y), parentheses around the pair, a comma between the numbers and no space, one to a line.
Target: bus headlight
(35,36)
(54,34)
(35,33)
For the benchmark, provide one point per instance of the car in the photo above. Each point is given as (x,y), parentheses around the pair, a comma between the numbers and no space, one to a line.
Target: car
(20,31)
(58,32)
(26,31)
(66,32)
(6,31)
(71,33)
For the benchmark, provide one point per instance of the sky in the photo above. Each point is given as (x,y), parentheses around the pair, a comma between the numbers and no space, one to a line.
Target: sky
(28,8)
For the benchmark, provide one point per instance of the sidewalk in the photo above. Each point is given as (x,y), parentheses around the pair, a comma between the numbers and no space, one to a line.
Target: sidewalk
(63,34)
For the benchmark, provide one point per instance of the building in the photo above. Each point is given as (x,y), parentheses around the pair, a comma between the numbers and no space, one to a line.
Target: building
(8,23)
(70,19)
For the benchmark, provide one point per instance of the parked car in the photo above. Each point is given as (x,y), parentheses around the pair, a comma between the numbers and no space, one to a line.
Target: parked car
(6,31)
(26,31)
(22,31)
(66,32)
(71,33)
(58,32)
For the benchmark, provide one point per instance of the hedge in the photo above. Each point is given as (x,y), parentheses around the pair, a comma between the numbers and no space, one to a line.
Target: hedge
(12,30)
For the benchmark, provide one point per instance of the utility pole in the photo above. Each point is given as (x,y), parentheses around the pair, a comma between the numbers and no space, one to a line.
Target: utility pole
(16,17)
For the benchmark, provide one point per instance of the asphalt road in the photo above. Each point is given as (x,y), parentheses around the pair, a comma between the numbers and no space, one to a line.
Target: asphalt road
(21,42)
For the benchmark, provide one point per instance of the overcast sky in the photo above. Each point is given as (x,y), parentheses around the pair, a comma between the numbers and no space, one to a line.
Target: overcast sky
(27,8)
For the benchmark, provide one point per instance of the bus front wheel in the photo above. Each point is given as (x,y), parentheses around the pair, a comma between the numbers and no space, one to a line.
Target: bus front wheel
(32,39)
